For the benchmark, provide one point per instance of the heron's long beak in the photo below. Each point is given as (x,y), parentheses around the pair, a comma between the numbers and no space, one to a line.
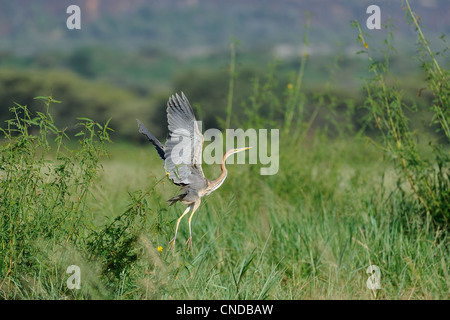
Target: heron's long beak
(233,151)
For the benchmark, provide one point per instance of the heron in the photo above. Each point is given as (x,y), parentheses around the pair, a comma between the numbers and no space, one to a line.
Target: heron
(185,170)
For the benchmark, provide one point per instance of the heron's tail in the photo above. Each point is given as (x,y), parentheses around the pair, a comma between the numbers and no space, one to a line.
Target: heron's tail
(176,198)
(158,145)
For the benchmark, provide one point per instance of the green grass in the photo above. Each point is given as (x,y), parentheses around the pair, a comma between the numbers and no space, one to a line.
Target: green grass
(309,232)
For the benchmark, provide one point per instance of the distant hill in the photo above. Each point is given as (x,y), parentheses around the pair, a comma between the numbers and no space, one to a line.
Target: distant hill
(196,27)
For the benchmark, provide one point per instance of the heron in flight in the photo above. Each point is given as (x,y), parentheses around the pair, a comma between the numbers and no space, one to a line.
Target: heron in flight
(185,168)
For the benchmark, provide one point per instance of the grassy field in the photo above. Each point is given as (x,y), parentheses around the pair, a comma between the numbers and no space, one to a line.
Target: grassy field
(309,232)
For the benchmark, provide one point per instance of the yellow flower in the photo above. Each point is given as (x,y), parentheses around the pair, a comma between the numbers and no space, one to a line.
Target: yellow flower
(159,249)
(365,45)
(290,86)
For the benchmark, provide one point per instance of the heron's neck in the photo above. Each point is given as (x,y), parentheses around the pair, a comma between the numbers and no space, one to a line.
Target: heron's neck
(216,183)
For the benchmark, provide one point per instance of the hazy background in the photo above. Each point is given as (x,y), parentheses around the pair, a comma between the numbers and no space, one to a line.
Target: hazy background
(130,56)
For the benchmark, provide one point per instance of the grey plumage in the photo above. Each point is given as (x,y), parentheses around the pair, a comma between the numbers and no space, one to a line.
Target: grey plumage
(158,145)
(183,151)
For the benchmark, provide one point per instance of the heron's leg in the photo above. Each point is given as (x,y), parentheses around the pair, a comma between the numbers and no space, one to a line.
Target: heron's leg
(172,242)
(189,240)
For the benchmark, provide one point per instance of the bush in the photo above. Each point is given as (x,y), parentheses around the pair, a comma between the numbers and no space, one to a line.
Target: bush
(44,184)
(426,176)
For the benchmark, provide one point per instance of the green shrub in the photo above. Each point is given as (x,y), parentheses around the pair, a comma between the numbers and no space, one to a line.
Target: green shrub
(44,184)
(426,176)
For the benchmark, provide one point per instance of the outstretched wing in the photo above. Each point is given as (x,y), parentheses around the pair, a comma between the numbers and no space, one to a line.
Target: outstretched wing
(158,145)
(183,150)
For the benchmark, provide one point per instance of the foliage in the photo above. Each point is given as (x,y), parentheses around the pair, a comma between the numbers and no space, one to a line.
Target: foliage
(427,178)
(44,198)
(80,98)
